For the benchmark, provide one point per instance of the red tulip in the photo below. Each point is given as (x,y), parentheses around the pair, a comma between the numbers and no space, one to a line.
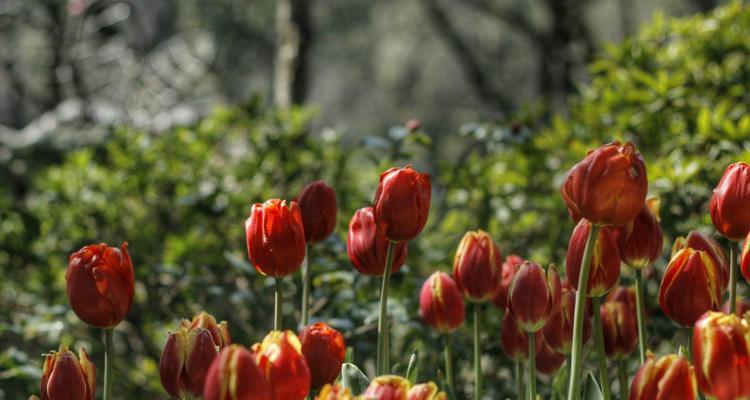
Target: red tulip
(387,387)
(548,360)
(367,247)
(441,303)
(641,240)
(402,203)
(534,295)
(514,340)
(317,204)
(690,286)
(697,241)
(477,266)
(743,306)
(509,267)
(624,294)
(280,357)
(275,238)
(558,332)
(669,377)
(189,353)
(426,391)
(607,187)
(729,211)
(324,349)
(620,327)
(721,354)
(234,375)
(334,392)
(100,284)
(605,262)
(67,377)
(745,259)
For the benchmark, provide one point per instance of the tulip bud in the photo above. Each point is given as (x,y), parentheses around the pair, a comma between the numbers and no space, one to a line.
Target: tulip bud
(620,327)
(100,284)
(729,211)
(669,377)
(509,267)
(234,375)
(477,266)
(402,203)
(534,295)
(275,238)
(280,357)
(558,331)
(426,391)
(745,259)
(607,187)
(189,353)
(367,247)
(513,339)
(387,387)
(605,261)
(317,204)
(641,240)
(743,306)
(441,303)
(65,376)
(324,349)
(697,241)
(548,360)
(721,354)
(334,392)
(690,286)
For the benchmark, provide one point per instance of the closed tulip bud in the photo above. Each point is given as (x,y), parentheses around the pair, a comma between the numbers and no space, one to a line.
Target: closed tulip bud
(607,187)
(620,328)
(690,286)
(548,360)
(402,203)
(189,353)
(745,259)
(729,211)
(534,295)
(234,375)
(426,391)
(624,294)
(605,261)
(441,303)
(558,331)
(477,266)
(697,241)
(367,247)
(275,238)
(317,204)
(514,340)
(334,392)
(100,284)
(743,306)
(669,377)
(387,387)
(280,357)
(509,267)
(641,239)
(67,377)
(721,354)
(324,349)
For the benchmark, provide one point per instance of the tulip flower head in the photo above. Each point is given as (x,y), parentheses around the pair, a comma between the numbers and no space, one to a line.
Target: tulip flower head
(620,326)
(280,358)
(317,204)
(514,340)
(189,353)
(477,266)
(607,187)
(65,376)
(534,295)
(387,387)
(234,375)
(324,350)
(605,261)
(441,303)
(509,268)
(275,238)
(402,203)
(697,241)
(721,354)
(367,247)
(729,205)
(558,331)
(742,307)
(669,377)
(641,239)
(745,259)
(426,391)
(334,392)
(548,360)
(100,284)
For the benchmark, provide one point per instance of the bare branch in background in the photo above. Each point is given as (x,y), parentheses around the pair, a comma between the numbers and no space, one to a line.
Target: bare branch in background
(292,42)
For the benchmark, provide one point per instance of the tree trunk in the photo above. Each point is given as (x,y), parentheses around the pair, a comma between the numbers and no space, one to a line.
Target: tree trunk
(293,32)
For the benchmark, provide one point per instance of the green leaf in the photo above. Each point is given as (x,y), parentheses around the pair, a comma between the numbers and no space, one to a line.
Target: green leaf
(591,390)
(413,369)
(354,379)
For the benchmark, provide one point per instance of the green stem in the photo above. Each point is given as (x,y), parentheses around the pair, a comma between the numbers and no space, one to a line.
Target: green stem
(448,360)
(477,355)
(622,370)
(383,361)
(520,387)
(732,278)
(583,280)
(640,307)
(277,306)
(306,289)
(108,350)
(603,377)
(532,365)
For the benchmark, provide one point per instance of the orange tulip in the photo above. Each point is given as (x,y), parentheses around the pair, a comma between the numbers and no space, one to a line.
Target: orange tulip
(324,349)
(477,266)
(441,303)
(317,204)
(275,238)
(669,377)
(721,353)
(605,262)
(729,211)
(534,295)
(234,375)
(67,377)
(387,387)
(509,268)
(367,247)
(402,203)
(280,358)
(619,324)
(641,239)
(558,332)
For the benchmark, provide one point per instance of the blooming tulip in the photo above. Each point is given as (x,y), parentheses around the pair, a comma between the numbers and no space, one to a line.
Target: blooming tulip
(67,377)
(317,204)
(607,187)
(605,261)
(280,357)
(721,353)
(189,353)
(402,203)
(367,247)
(324,350)
(690,286)
(334,392)
(558,331)
(477,266)
(620,327)
(100,284)
(509,267)
(441,303)
(425,391)
(275,238)
(234,375)
(548,360)
(513,340)
(534,295)
(387,387)
(641,239)
(729,205)
(697,241)
(669,377)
